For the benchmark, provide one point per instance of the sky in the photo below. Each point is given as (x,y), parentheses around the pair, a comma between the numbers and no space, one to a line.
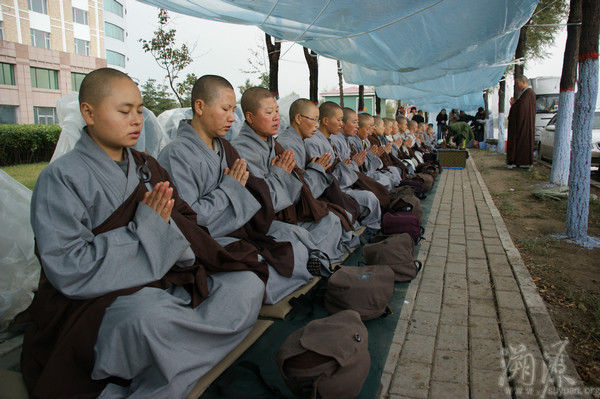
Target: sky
(224,49)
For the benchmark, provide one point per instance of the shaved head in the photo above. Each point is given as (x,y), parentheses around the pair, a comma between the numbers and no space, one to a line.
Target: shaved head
(252,97)
(95,87)
(207,88)
(300,106)
(348,113)
(364,119)
(328,109)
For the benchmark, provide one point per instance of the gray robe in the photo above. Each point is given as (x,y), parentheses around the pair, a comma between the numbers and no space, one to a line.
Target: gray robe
(370,216)
(137,337)
(327,235)
(314,174)
(223,205)
(372,162)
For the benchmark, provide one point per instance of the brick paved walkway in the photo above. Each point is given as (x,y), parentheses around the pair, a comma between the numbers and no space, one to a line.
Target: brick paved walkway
(474,310)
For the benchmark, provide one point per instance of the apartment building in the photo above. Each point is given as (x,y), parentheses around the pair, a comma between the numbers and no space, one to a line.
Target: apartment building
(48,46)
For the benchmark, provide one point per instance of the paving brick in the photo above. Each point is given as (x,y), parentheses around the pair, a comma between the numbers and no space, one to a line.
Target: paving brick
(454,315)
(428,301)
(455,257)
(452,337)
(486,354)
(456,247)
(455,296)
(477,264)
(510,300)
(410,375)
(456,268)
(478,276)
(431,285)
(494,241)
(450,366)
(418,348)
(488,233)
(424,323)
(476,253)
(436,250)
(482,306)
(494,249)
(455,281)
(489,384)
(502,283)
(448,390)
(499,265)
(433,260)
(484,327)
(432,272)
(514,319)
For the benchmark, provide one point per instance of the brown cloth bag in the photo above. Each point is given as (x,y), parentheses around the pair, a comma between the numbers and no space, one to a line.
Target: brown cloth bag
(396,251)
(366,289)
(329,357)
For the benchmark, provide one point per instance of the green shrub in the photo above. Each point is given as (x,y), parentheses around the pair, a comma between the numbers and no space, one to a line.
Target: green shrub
(27,143)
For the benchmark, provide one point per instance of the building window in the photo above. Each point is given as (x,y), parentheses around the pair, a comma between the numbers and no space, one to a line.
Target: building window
(76,79)
(80,16)
(44,78)
(114,31)
(114,58)
(44,115)
(113,6)
(40,6)
(7,74)
(82,47)
(39,38)
(8,114)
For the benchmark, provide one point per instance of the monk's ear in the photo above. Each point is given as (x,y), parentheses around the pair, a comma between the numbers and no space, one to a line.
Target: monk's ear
(87,112)
(249,117)
(199,105)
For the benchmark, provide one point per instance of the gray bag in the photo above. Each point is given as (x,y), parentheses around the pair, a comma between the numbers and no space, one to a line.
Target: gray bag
(329,357)
(396,251)
(366,289)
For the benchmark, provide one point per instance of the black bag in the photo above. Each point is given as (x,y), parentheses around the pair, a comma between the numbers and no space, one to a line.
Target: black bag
(396,251)
(329,357)
(364,289)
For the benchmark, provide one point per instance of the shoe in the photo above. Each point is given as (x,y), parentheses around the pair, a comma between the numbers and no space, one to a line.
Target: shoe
(525,166)
(511,166)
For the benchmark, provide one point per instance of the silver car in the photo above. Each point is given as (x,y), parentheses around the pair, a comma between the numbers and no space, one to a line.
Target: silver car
(547,139)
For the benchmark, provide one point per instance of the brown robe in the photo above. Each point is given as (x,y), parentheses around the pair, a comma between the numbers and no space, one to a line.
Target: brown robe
(521,130)
(58,348)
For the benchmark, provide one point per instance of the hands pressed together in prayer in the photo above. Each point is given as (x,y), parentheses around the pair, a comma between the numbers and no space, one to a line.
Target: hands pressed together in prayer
(360,157)
(377,150)
(160,200)
(238,171)
(388,148)
(324,161)
(285,161)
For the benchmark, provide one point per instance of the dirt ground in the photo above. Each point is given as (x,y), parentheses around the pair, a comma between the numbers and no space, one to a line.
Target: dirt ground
(567,275)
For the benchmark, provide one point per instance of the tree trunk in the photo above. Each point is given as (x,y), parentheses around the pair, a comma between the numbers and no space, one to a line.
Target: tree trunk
(273,51)
(501,136)
(520,53)
(340,83)
(585,103)
(377,105)
(361,98)
(559,173)
(313,74)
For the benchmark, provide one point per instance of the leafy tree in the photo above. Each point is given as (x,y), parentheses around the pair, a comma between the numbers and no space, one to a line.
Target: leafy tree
(185,89)
(246,86)
(256,66)
(156,97)
(167,55)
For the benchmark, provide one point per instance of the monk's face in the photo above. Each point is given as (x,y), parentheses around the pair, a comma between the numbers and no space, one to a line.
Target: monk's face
(364,130)
(350,127)
(266,120)
(402,125)
(337,121)
(217,116)
(308,121)
(379,129)
(116,120)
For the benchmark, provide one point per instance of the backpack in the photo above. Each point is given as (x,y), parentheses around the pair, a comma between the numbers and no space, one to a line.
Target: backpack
(365,289)
(329,357)
(396,251)
(416,184)
(405,194)
(427,180)
(402,222)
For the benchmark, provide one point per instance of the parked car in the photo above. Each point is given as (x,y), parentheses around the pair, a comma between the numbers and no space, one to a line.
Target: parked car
(547,139)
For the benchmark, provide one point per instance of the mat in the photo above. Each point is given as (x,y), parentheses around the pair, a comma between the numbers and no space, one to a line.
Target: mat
(280,309)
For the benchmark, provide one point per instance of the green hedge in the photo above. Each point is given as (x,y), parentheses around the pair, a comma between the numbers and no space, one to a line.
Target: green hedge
(27,143)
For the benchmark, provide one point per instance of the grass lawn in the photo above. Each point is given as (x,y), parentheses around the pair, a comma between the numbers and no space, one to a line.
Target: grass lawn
(25,174)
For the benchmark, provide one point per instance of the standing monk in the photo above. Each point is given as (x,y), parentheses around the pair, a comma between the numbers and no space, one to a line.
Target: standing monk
(521,126)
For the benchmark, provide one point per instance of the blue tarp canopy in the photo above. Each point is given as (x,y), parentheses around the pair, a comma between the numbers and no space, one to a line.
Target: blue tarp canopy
(433,53)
